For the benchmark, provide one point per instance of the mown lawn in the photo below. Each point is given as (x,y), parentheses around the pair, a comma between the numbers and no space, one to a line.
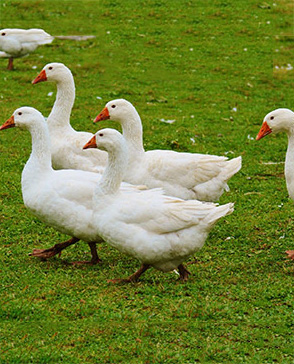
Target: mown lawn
(216,68)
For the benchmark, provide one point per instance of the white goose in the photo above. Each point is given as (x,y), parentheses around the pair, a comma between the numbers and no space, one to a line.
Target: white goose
(185,175)
(61,199)
(282,120)
(67,143)
(160,231)
(15,43)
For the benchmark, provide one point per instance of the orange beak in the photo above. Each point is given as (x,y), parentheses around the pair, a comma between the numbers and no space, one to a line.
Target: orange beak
(104,115)
(8,124)
(264,130)
(40,78)
(91,143)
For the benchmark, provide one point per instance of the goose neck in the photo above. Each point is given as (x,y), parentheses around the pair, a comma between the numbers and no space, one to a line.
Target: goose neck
(113,174)
(289,165)
(133,134)
(65,97)
(40,156)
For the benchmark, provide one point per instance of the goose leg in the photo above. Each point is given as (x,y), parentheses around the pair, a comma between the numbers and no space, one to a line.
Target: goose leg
(184,273)
(290,254)
(56,249)
(95,259)
(132,278)
(10,64)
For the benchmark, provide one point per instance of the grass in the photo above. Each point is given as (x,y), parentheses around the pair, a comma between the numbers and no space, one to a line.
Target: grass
(211,66)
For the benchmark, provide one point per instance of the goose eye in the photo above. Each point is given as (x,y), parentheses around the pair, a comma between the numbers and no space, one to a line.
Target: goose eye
(272,117)
(50,68)
(3,33)
(113,106)
(20,113)
(101,134)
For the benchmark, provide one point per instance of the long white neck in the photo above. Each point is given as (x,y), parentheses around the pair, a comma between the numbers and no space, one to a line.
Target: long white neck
(133,133)
(289,164)
(40,158)
(113,174)
(60,114)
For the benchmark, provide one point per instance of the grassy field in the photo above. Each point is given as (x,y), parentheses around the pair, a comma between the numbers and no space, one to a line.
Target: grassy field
(216,68)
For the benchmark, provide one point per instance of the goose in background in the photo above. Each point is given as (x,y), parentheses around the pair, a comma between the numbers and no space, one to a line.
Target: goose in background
(184,175)
(66,142)
(282,120)
(15,43)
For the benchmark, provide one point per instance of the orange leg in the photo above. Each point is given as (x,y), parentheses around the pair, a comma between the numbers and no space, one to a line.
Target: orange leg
(95,259)
(58,248)
(184,273)
(10,64)
(132,278)
(290,254)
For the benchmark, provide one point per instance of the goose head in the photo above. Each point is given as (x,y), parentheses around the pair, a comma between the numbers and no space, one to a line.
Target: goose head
(10,44)
(108,140)
(53,72)
(6,36)
(4,33)
(277,121)
(119,110)
(24,117)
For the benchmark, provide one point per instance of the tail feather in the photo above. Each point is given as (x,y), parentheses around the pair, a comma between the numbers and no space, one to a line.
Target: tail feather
(218,212)
(212,189)
(232,167)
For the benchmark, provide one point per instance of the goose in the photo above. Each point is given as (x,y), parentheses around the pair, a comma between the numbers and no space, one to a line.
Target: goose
(15,43)
(184,175)
(61,199)
(282,120)
(159,230)
(67,143)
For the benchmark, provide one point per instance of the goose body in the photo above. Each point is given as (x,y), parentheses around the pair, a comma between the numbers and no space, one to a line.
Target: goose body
(184,175)
(66,142)
(159,230)
(61,199)
(15,43)
(282,120)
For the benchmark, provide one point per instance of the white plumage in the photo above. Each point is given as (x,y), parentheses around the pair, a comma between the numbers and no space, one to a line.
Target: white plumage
(66,142)
(61,199)
(185,175)
(15,43)
(282,120)
(159,230)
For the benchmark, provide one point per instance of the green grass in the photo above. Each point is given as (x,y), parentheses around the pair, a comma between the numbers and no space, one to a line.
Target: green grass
(193,61)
